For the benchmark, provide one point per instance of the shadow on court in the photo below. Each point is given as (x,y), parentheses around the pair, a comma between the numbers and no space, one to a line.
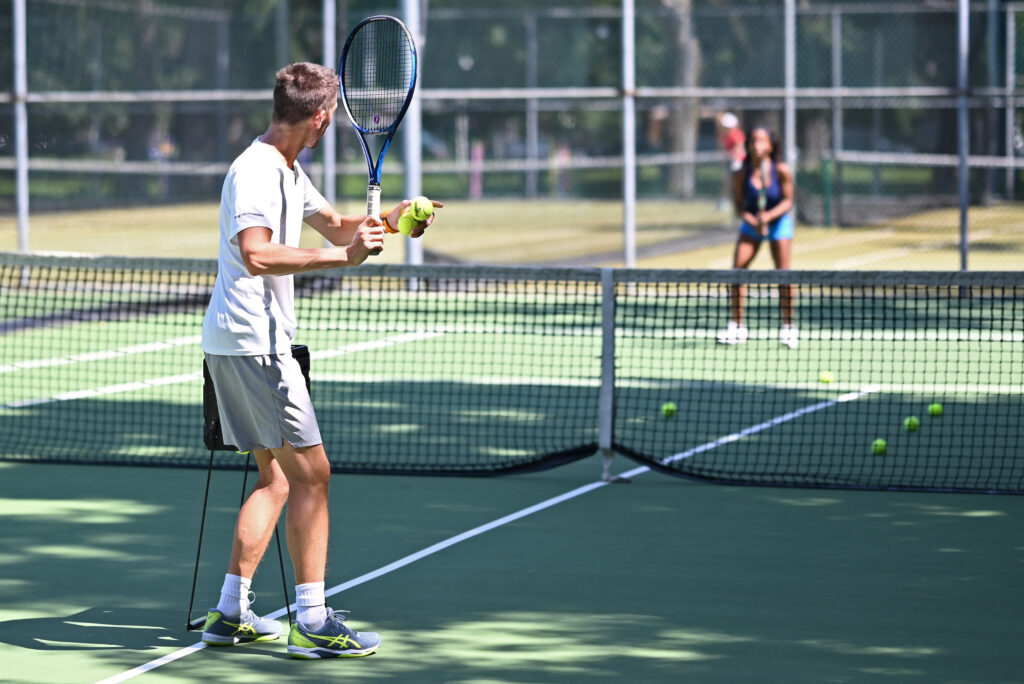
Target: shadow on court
(87,630)
(428,426)
(477,428)
(655,581)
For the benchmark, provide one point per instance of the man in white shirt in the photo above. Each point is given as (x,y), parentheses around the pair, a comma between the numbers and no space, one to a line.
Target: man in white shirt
(263,402)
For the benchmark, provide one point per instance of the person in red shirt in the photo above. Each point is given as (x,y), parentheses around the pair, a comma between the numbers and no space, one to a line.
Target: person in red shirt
(733,142)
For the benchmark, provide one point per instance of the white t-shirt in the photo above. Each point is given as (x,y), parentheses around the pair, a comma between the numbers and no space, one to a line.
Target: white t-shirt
(252,315)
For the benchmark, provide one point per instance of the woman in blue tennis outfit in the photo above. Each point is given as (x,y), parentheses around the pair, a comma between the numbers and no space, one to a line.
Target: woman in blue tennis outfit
(774,223)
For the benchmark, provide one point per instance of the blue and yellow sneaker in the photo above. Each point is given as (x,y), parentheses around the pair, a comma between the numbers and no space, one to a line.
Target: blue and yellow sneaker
(333,640)
(226,630)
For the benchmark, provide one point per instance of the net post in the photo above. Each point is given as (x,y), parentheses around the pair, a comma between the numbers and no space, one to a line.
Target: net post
(606,399)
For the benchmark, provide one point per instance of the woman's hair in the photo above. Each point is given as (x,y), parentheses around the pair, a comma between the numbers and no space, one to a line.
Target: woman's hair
(301,89)
(772,136)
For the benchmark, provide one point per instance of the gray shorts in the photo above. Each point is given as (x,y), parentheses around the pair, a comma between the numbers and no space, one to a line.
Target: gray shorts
(263,401)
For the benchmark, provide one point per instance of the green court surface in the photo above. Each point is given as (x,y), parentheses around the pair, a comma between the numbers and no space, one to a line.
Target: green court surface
(658,580)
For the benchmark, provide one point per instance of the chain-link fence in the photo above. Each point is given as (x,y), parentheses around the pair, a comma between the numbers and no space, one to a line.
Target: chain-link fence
(148,101)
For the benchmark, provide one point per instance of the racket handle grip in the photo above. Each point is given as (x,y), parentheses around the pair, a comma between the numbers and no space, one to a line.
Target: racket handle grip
(373,206)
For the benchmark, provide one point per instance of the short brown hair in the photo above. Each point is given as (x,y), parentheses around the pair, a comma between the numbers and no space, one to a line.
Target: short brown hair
(301,89)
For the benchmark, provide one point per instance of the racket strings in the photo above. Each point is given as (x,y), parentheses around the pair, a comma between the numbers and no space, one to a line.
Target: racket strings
(378,70)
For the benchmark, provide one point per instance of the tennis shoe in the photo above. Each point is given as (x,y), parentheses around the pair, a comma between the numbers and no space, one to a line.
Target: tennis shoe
(789,336)
(734,333)
(333,640)
(227,630)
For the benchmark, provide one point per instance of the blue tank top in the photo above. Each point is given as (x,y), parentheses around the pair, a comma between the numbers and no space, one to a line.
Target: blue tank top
(773,194)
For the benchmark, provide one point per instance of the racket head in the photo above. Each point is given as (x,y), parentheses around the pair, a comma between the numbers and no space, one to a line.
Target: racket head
(377,74)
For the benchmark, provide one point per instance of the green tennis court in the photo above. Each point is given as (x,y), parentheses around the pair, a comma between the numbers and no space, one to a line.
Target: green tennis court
(654,581)
(549,576)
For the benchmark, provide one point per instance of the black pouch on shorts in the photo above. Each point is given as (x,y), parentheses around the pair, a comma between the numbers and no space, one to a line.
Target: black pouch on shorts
(212,437)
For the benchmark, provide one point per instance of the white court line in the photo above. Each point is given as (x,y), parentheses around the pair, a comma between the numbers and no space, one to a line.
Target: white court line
(189,377)
(109,389)
(374,344)
(778,420)
(162,345)
(101,355)
(383,570)
(512,517)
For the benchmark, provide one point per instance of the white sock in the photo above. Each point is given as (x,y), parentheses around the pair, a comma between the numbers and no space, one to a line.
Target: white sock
(234,595)
(312,608)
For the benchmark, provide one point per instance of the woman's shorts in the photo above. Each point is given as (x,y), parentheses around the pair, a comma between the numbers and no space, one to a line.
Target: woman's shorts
(780,229)
(263,401)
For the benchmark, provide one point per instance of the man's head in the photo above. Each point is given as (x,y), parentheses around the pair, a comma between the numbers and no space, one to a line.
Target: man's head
(302,90)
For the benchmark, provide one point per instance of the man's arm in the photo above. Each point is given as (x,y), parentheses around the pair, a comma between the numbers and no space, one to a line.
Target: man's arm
(263,257)
(336,228)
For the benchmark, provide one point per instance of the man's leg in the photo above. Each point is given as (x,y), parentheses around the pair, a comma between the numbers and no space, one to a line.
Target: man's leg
(258,515)
(308,473)
(317,631)
(232,621)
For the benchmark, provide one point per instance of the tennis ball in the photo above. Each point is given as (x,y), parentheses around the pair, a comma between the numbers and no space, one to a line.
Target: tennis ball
(878,446)
(668,409)
(911,423)
(935,409)
(825,377)
(420,210)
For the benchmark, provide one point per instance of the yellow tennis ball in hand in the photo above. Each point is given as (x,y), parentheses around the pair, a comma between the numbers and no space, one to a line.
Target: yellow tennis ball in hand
(420,210)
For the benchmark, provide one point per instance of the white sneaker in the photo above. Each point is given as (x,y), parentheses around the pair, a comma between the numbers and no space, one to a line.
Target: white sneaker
(734,333)
(789,336)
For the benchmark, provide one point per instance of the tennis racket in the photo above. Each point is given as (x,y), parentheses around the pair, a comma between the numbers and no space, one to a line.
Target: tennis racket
(378,77)
(762,193)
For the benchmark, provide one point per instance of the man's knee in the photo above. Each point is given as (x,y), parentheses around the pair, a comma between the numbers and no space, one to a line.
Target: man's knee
(278,487)
(308,468)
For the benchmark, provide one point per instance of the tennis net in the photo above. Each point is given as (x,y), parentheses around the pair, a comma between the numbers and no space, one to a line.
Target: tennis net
(478,370)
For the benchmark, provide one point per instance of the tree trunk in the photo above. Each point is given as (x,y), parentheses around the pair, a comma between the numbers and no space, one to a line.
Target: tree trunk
(684,122)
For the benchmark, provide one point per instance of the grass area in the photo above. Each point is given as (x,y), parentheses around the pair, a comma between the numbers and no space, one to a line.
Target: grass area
(669,235)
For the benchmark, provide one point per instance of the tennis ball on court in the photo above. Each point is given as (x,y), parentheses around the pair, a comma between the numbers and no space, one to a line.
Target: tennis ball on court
(420,210)
(935,409)
(878,446)
(668,409)
(826,377)
(911,423)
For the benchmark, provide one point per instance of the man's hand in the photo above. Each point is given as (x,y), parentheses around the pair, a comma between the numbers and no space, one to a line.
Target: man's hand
(368,239)
(421,226)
